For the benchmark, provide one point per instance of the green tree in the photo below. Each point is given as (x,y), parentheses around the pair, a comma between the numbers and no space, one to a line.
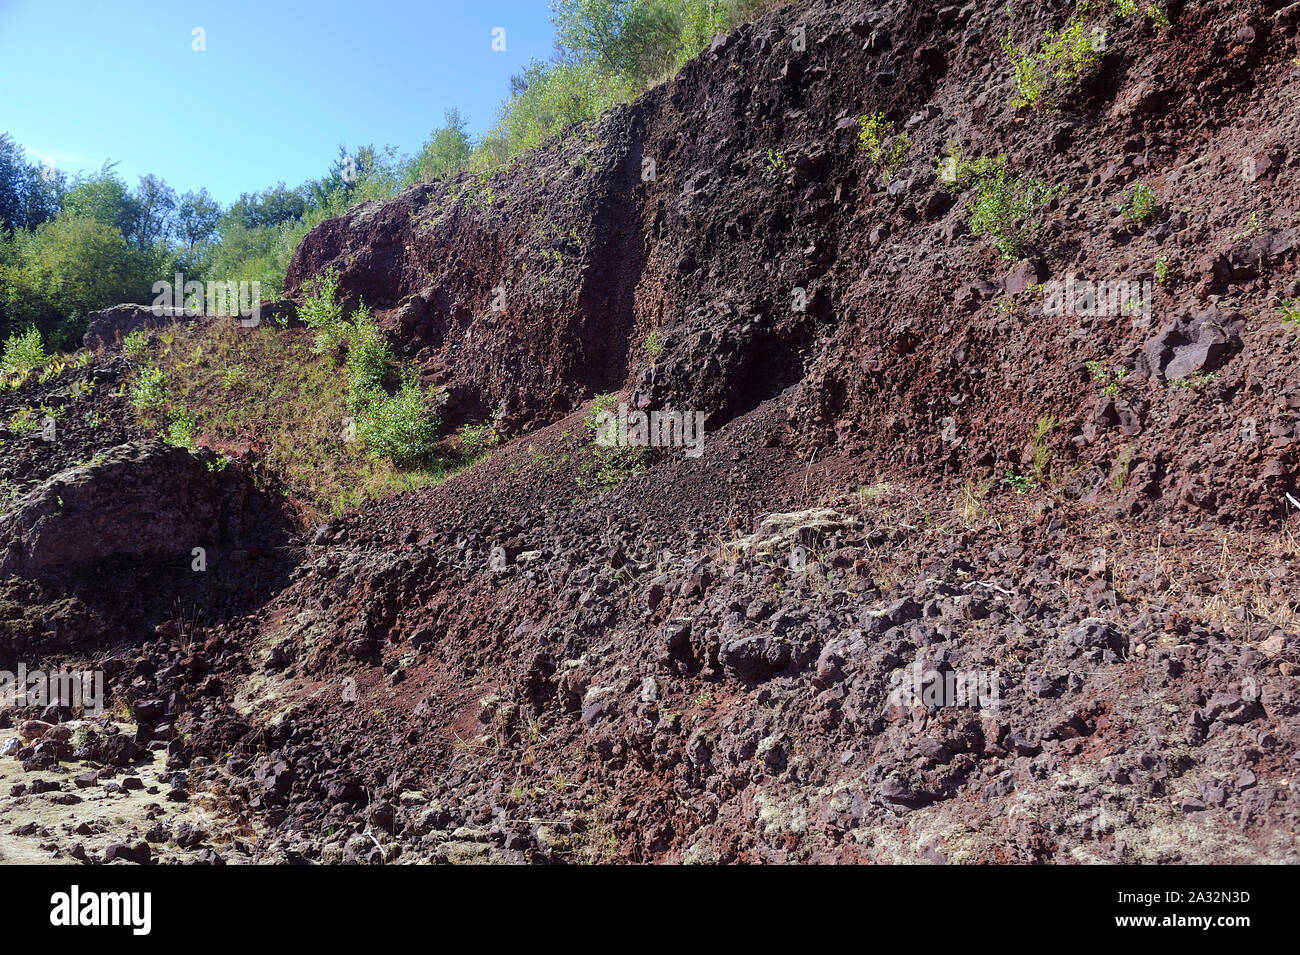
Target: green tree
(62,270)
(197,216)
(447,150)
(104,198)
(155,211)
(29,194)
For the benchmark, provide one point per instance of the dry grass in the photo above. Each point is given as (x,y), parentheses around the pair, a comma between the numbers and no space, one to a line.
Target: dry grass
(264,390)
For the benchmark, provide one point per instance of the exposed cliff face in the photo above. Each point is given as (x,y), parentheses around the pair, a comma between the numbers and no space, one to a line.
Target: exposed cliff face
(734,211)
(746,655)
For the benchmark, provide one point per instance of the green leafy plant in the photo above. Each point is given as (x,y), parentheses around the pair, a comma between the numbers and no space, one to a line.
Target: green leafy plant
(136,343)
(149,391)
(1020,483)
(477,439)
(1161,269)
(1157,15)
(776,160)
(1139,203)
(369,356)
(236,376)
(23,353)
(53,368)
(1289,312)
(23,421)
(322,311)
(1191,382)
(653,345)
(612,465)
(401,427)
(1063,58)
(1110,381)
(883,148)
(1004,202)
(181,429)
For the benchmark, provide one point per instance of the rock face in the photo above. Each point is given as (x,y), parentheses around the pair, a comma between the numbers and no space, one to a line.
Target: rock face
(108,327)
(733,213)
(143,499)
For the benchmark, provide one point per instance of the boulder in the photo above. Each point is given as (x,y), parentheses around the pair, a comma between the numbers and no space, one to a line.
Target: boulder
(108,327)
(144,499)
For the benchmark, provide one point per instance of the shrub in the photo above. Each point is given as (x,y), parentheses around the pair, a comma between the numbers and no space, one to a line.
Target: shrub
(180,431)
(322,311)
(1021,483)
(556,96)
(23,421)
(1290,313)
(369,354)
(1004,203)
(1139,203)
(447,150)
(613,465)
(654,346)
(1063,58)
(599,406)
(135,343)
(24,352)
(476,439)
(236,376)
(400,427)
(150,390)
(874,135)
(1110,382)
(1156,14)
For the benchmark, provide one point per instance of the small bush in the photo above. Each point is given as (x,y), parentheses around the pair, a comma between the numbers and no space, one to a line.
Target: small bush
(1004,203)
(150,389)
(23,421)
(477,439)
(1062,59)
(653,345)
(24,352)
(1139,203)
(1021,483)
(1290,313)
(400,427)
(599,406)
(136,343)
(322,311)
(236,376)
(369,354)
(1156,14)
(883,148)
(1110,382)
(181,430)
(612,465)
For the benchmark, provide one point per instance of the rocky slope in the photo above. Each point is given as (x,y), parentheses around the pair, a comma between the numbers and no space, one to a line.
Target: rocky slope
(709,660)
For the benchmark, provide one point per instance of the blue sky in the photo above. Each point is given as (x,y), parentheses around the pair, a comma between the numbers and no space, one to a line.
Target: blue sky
(279,86)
